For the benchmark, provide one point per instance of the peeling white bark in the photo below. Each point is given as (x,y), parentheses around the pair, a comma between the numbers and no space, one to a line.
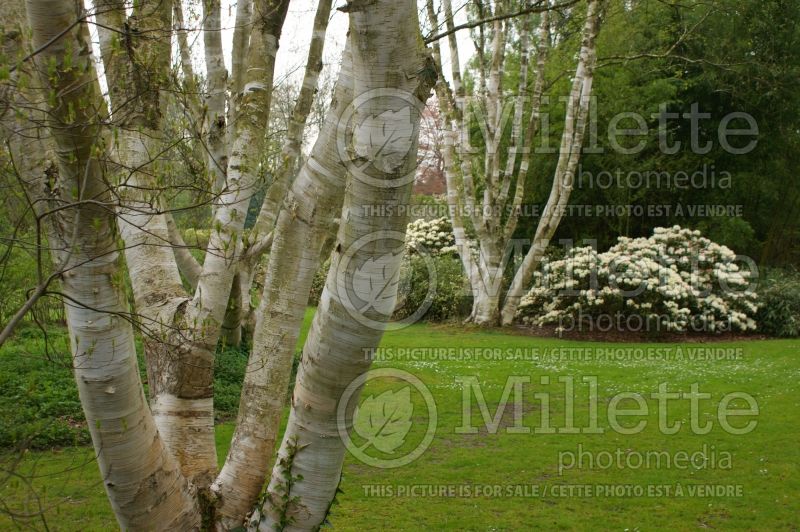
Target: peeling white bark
(304,228)
(142,480)
(178,419)
(387,54)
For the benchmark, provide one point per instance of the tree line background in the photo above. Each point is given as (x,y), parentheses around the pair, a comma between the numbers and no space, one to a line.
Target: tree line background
(726,57)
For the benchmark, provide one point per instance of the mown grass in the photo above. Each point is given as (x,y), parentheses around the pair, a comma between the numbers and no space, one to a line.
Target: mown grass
(764,462)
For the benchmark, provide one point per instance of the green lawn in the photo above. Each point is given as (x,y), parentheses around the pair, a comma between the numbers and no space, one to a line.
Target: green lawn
(761,466)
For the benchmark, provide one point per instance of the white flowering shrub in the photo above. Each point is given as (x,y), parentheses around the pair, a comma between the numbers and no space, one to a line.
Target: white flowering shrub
(676,280)
(432,236)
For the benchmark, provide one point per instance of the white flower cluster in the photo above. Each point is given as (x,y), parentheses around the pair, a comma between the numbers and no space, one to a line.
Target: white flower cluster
(434,237)
(676,280)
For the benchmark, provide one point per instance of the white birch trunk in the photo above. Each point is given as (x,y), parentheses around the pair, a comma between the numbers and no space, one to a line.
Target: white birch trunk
(485,306)
(142,480)
(502,180)
(483,269)
(569,155)
(387,54)
(216,76)
(183,376)
(301,235)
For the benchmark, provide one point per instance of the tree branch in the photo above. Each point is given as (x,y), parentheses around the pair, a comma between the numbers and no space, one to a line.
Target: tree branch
(538,8)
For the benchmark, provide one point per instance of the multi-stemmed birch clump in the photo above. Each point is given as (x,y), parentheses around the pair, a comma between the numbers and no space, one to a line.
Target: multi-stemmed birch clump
(673,281)
(486,182)
(94,168)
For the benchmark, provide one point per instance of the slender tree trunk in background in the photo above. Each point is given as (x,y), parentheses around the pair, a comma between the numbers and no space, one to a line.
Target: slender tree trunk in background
(21,124)
(142,480)
(248,271)
(484,262)
(31,153)
(187,264)
(387,54)
(451,102)
(504,181)
(189,82)
(455,62)
(569,155)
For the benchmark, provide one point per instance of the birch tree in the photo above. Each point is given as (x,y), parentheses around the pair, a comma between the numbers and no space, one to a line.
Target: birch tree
(386,53)
(485,186)
(157,457)
(184,327)
(142,479)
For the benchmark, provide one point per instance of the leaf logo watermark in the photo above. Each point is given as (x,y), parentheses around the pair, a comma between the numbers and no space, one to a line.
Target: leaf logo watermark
(375,146)
(368,289)
(383,423)
(375,282)
(385,139)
